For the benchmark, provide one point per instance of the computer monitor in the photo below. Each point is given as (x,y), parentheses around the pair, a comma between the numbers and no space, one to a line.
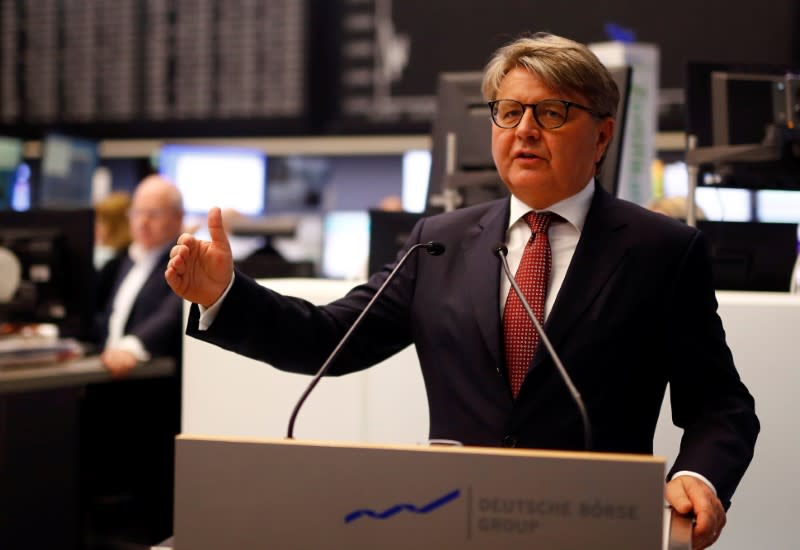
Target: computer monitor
(745,120)
(388,231)
(10,159)
(740,82)
(751,256)
(608,176)
(461,148)
(745,105)
(207,176)
(54,249)
(68,165)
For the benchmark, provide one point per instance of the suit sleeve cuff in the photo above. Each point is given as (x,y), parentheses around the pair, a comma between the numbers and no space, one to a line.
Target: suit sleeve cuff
(696,476)
(208,314)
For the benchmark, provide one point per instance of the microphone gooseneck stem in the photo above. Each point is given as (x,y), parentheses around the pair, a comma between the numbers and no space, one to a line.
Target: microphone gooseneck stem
(500,252)
(434,248)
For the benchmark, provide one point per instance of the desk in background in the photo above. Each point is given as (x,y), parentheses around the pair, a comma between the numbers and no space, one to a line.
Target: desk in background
(40,493)
(72,374)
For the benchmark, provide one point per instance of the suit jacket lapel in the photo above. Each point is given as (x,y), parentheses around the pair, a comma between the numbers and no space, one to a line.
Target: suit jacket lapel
(483,275)
(150,289)
(125,265)
(598,254)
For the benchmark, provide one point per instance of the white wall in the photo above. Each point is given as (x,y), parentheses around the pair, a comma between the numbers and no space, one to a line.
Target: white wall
(763,331)
(227,394)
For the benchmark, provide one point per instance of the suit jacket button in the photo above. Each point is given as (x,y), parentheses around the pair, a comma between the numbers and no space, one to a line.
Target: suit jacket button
(509,441)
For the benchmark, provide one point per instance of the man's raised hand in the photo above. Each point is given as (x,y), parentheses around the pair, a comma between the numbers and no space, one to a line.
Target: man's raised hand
(200,271)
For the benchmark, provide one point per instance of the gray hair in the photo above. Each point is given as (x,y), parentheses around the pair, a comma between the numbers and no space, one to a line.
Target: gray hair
(560,63)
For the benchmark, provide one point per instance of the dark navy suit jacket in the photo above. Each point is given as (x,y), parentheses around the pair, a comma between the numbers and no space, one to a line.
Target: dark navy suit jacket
(636,311)
(155,317)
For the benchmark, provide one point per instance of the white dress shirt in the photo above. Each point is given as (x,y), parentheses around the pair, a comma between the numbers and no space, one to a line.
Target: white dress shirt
(144,262)
(563,234)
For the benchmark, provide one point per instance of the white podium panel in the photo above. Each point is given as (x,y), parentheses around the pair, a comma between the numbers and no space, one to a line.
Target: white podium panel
(286,494)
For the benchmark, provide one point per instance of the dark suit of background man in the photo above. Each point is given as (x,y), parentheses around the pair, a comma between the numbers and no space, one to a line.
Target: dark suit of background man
(630,305)
(131,424)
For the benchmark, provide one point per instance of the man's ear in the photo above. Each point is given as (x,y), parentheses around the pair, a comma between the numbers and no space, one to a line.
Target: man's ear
(604,135)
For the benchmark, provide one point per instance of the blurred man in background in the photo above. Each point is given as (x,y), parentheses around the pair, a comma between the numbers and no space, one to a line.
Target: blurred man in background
(129,426)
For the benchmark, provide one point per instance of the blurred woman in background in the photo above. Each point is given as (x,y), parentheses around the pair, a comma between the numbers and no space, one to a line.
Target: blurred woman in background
(112,233)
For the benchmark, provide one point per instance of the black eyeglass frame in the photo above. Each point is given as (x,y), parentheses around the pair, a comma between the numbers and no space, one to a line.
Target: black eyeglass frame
(567,105)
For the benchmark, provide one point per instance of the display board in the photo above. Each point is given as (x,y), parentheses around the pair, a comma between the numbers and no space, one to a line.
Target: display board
(393,51)
(150,68)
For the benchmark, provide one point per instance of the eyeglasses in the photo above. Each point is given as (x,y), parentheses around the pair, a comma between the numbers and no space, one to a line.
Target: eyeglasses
(151,213)
(549,113)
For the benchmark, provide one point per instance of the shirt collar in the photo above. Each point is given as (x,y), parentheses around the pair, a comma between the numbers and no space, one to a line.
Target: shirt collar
(572,209)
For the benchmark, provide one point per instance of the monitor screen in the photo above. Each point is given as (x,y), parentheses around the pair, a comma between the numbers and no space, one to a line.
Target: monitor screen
(722,204)
(68,165)
(207,176)
(345,244)
(714,203)
(778,206)
(53,251)
(416,175)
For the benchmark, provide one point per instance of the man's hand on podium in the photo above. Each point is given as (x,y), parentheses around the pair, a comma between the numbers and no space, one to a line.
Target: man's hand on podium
(689,495)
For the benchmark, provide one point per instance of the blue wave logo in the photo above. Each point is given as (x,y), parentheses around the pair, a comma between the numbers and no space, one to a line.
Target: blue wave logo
(397,508)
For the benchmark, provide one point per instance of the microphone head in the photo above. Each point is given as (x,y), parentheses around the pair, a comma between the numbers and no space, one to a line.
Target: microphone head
(435,248)
(499,248)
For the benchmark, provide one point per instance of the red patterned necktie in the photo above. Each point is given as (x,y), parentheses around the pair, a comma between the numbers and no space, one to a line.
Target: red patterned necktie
(532,276)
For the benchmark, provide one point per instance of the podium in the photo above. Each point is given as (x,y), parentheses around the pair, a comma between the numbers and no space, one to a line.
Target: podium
(266,493)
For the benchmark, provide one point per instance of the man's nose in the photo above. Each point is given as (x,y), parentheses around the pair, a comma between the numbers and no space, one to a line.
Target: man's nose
(528,127)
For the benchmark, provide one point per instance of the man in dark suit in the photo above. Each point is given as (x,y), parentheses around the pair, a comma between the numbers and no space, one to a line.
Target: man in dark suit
(629,306)
(129,426)
(137,312)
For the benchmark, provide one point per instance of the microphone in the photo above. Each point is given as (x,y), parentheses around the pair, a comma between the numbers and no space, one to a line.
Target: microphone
(434,248)
(500,250)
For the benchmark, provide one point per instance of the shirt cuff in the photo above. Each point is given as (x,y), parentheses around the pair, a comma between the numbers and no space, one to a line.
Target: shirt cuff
(208,314)
(132,344)
(697,476)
